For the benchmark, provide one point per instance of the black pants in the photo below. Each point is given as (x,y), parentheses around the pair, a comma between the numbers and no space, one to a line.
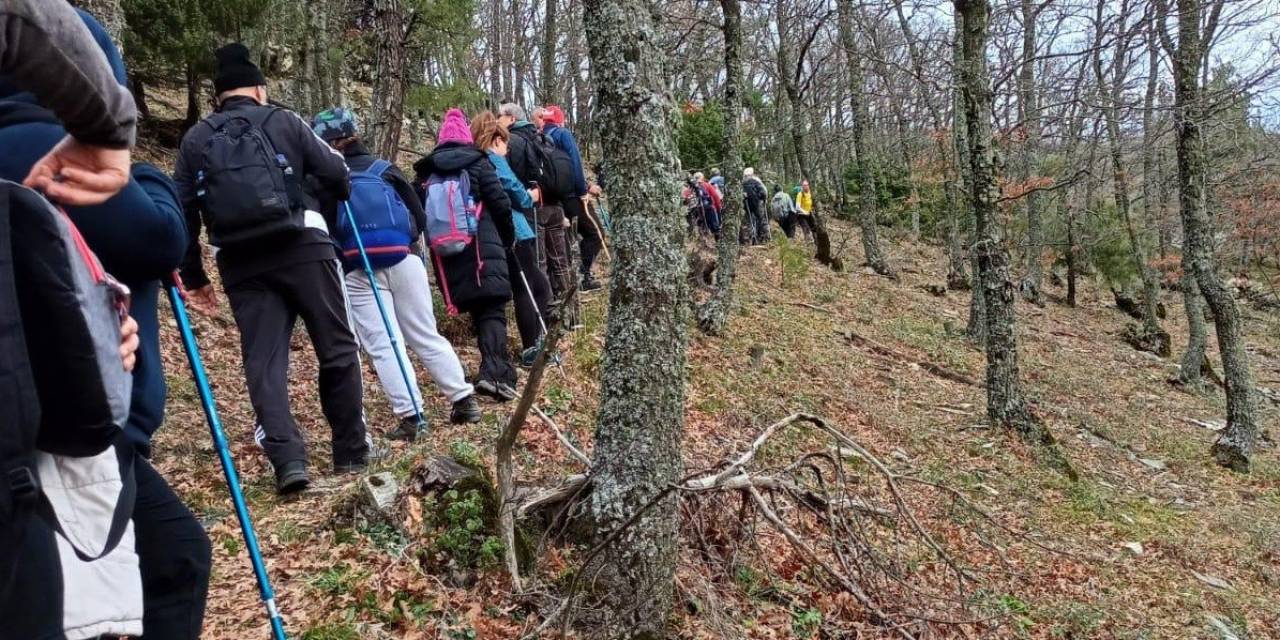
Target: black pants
(553,255)
(757,221)
(805,224)
(532,302)
(174,555)
(588,230)
(266,309)
(490,326)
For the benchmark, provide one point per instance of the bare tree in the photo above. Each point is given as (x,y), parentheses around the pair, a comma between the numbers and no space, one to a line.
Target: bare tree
(1111,85)
(395,25)
(1029,110)
(1006,404)
(1189,55)
(868,209)
(639,433)
(714,314)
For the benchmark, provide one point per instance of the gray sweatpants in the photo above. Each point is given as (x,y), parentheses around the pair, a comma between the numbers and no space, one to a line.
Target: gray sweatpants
(406,296)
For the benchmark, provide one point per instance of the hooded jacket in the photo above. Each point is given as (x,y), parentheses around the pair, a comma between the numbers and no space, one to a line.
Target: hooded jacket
(477,277)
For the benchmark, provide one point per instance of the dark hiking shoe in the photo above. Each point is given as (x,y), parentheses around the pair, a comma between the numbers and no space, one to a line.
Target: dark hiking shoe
(374,454)
(589,283)
(357,466)
(407,430)
(530,356)
(291,477)
(500,391)
(465,411)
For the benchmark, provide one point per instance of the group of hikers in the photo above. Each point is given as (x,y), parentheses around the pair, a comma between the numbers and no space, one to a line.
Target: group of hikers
(704,204)
(304,222)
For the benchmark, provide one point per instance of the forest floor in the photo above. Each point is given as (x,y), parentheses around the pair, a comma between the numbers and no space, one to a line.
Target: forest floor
(1153,540)
(1209,561)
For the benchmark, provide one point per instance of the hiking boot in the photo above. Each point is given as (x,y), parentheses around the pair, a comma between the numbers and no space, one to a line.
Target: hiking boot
(291,477)
(530,355)
(357,466)
(407,430)
(465,411)
(499,391)
(589,283)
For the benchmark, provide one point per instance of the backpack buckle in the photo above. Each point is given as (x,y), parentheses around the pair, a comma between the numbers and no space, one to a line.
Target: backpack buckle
(23,484)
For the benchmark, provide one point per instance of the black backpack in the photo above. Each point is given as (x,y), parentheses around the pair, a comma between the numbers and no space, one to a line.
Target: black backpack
(62,387)
(247,189)
(553,166)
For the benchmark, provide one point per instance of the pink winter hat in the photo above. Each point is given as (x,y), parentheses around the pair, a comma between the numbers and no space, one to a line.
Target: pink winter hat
(455,128)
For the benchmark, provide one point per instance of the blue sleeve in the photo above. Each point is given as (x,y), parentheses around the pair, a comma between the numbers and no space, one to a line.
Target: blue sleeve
(565,141)
(139,234)
(511,184)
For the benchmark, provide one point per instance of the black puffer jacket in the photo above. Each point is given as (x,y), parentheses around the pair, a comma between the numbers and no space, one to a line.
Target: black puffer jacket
(478,277)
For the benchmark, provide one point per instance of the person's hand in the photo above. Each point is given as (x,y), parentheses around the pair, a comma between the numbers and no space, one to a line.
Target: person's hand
(129,343)
(204,300)
(79,174)
(594,190)
(536,194)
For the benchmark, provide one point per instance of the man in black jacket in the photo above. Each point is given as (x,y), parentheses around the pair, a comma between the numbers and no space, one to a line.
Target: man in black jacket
(525,161)
(271,281)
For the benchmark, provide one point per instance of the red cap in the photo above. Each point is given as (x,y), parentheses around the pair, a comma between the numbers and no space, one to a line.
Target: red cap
(555,115)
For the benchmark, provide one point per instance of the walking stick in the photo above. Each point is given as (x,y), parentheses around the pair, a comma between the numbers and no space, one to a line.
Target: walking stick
(604,244)
(224,456)
(386,321)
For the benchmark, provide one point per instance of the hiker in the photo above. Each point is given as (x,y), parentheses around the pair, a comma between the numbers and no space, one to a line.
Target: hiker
(783,211)
(531,290)
(575,209)
(529,160)
(804,210)
(460,188)
(754,194)
(704,205)
(80,117)
(717,180)
(252,173)
(379,192)
(139,236)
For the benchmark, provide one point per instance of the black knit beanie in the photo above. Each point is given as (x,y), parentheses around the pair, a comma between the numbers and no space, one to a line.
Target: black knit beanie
(235,69)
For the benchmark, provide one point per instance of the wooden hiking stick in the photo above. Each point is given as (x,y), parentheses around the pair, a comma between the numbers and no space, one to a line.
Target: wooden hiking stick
(604,244)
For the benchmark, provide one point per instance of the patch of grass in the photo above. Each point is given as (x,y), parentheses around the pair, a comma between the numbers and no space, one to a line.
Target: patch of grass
(793,258)
(466,453)
(290,532)
(385,536)
(1016,610)
(1073,620)
(231,545)
(338,631)
(805,622)
(931,337)
(336,580)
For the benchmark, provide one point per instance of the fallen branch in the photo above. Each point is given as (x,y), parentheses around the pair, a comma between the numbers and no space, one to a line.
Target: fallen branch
(574,451)
(881,350)
(810,306)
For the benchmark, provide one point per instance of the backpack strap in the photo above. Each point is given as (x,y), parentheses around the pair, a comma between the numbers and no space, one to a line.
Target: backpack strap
(378,167)
(119,518)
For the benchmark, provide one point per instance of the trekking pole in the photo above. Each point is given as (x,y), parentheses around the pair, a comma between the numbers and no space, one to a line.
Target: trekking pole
(386,321)
(533,301)
(224,456)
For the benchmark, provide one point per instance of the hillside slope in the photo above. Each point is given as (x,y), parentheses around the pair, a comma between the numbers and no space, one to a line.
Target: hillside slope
(1209,539)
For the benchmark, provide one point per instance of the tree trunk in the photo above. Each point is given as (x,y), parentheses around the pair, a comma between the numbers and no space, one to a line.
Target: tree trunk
(1029,112)
(1193,359)
(713,315)
(1006,405)
(1236,443)
(1110,91)
(139,89)
(638,439)
(976,330)
(109,14)
(193,98)
(547,83)
(390,59)
(867,206)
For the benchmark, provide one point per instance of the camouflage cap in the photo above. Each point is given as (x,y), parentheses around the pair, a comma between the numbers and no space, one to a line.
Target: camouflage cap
(335,124)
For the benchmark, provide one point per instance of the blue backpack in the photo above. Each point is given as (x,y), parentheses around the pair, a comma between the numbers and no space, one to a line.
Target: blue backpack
(381,219)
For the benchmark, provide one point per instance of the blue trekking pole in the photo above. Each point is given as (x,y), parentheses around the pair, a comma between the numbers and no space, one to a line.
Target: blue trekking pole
(386,322)
(224,456)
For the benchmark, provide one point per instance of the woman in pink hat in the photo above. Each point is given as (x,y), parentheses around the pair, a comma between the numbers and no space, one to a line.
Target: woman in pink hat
(474,279)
